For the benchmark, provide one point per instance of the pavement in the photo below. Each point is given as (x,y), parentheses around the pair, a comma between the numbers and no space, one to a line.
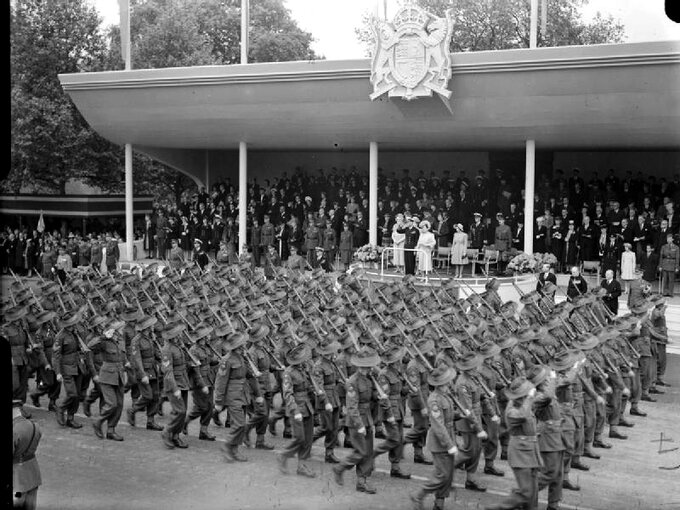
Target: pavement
(80,471)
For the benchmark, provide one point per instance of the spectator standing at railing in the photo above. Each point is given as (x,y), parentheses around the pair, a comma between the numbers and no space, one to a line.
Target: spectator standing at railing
(398,243)
(346,245)
(459,250)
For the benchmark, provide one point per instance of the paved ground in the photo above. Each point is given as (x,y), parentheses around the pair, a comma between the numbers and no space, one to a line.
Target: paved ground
(82,472)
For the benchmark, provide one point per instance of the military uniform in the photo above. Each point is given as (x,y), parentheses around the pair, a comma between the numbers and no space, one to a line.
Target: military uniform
(145,357)
(70,365)
(326,376)
(416,372)
(469,394)
(25,469)
(175,378)
(201,391)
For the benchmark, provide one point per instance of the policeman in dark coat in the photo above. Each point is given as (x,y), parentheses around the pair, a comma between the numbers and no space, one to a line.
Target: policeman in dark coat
(25,470)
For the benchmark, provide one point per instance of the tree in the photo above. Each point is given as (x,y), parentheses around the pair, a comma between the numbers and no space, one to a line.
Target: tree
(50,141)
(504,24)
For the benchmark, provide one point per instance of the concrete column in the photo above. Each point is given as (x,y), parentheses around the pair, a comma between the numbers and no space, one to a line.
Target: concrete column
(129,202)
(529,185)
(533,24)
(242,195)
(245,21)
(206,168)
(373,194)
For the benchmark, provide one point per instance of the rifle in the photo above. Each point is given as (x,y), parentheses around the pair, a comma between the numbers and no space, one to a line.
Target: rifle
(381,392)
(343,377)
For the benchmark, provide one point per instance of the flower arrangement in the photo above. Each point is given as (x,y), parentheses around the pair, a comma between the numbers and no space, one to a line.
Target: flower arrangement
(545,258)
(368,253)
(522,263)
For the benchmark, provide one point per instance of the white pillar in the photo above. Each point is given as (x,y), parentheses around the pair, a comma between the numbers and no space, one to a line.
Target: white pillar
(245,21)
(373,194)
(529,181)
(533,24)
(207,171)
(129,202)
(242,195)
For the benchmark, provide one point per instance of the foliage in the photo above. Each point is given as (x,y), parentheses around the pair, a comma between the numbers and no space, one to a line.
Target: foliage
(522,263)
(368,253)
(504,24)
(50,141)
(545,258)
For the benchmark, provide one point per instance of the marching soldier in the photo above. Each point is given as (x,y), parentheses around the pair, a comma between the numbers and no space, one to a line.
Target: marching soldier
(326,373)
(230,393)
(468,392)
(416,372)
(523,452)
(111,378)
(20,347)
(201,387)
(46,383)
(25,469)
(360,392)
(145,356)
(549,429)
(175,385)
(69,363)
(490,409)
(260,412)
(391,380)
(441,439)
(299,408)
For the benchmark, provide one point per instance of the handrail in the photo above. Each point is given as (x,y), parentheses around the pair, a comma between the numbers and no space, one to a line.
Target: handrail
(392,248)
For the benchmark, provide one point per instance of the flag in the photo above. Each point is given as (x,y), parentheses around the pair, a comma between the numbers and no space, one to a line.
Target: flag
(124,6)
(41,223)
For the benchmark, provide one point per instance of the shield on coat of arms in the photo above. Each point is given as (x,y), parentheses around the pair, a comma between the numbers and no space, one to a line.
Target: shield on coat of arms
(409,61)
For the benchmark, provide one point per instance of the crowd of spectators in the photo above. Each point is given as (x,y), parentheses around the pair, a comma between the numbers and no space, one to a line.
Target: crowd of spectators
(575,219)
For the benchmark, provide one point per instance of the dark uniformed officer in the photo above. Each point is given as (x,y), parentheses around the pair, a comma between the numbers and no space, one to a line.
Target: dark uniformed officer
(360,393)
(70,363)
(145,357)
(523,452)
(111,378)
(441,439)
(298,392)
(175,384)
(25,469)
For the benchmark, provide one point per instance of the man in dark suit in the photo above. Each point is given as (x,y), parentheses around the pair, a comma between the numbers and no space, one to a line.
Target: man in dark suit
(649,264)
(613,288)
(611,254)
(411,240)
(518,236)
(544,277)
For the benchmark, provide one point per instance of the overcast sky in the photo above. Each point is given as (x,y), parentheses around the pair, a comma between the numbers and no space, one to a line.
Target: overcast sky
(332,23)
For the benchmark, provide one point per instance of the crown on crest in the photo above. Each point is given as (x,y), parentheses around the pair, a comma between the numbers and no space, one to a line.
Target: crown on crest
(410,16)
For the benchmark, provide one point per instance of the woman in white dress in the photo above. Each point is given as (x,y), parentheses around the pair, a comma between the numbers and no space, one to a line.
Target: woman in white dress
(426,243)
(398,243)
(459,250)
(627,266)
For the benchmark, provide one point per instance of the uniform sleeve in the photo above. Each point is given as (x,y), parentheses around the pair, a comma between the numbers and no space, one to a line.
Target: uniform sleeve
(221,381)
(515,416)
(465,400)
(353,416)
(438,425)
(413,375)
(169,382)
(288,395)
(136,358)
(317,376)
(56,352)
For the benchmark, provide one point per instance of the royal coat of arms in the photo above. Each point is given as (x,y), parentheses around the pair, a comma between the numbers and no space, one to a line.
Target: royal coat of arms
(411,56)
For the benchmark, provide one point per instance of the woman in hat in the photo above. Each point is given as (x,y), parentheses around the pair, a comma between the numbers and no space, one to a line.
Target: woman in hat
(627,266)
(523,454)
(200,258)
(63,265)
(360,390)
(398,243)
(296,390)
(459,250)
(441,439)
(426,243)
(70,368)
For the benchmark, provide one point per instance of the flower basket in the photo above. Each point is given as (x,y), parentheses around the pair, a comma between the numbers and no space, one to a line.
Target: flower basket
(369,255)
(522,263)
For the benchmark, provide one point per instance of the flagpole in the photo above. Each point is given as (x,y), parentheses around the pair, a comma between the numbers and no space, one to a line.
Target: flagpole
(245,15)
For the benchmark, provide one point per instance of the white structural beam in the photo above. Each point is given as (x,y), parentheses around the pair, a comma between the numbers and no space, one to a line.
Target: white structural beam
(533,24)
(129,203)
(373,194)
(242,195)
(529,192)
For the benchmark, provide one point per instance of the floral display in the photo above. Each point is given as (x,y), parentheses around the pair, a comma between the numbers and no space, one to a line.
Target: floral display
(368,253)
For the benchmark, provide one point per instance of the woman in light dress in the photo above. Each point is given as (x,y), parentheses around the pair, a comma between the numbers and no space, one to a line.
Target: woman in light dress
(459,250)
(398,243)
(627,266)
(426,243)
